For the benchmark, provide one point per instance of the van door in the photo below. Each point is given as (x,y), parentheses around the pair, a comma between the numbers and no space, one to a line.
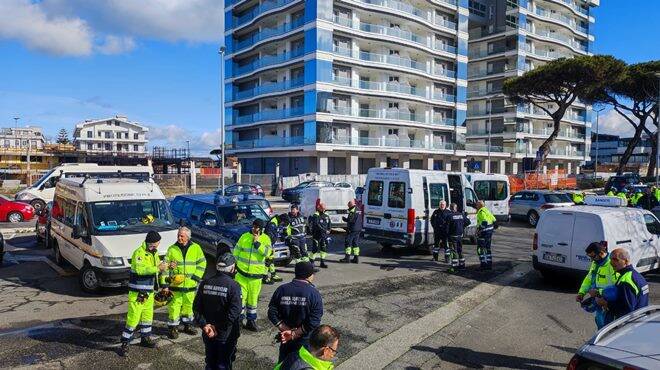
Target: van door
(554,238)
(426,219)
(588,228)
(456,191)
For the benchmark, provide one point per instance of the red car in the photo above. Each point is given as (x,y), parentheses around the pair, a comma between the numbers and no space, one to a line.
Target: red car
(11,211)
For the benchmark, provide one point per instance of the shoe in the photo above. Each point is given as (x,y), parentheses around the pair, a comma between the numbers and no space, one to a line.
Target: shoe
(323,265)
(148,342)
(123,350)
(189,329)
(346,259)
(173,333)
(276,278)
(355,259)
(251,325)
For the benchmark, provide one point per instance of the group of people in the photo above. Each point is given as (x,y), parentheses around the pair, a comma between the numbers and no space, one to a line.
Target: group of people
(640,197)
(612,287)
(448,228)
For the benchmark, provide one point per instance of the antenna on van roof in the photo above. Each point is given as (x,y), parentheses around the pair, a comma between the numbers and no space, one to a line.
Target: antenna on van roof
(84,179)
(119,173)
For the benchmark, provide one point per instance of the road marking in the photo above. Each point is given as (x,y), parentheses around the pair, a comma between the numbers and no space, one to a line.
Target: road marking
(31,258)
(394,345)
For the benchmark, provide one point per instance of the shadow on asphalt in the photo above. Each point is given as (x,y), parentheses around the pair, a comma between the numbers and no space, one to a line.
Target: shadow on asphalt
(479,360)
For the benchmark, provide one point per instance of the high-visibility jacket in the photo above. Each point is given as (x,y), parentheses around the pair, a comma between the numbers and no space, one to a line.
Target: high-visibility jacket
(632,292)
(611,193)
(485,219)
(274,230)
(192,266)
(304,360)
(251,254)
(601,275)
(622,195)
(656,194)
(144,270)
(634,199)
(578,198)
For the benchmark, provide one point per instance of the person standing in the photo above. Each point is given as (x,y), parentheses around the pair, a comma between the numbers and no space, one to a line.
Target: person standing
(277,228)
(187,260)
(145,267)
(298,240)
(439,220)
(578,198)
(353,229)
(458,221)
(323,347)
(485,228)
(217,309)
(320,226)
(251,251)
(296,309)
(632,290)
(601,276)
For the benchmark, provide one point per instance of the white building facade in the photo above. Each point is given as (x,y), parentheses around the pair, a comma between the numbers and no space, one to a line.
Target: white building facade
(22,138)
(111,136)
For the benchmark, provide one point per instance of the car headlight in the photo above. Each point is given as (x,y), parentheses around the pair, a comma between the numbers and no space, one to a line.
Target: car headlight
(24,196)
(112,261)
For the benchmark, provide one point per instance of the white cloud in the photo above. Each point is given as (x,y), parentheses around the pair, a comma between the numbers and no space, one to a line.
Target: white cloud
(211,139)
(169,134)
(611,122)
(116,45)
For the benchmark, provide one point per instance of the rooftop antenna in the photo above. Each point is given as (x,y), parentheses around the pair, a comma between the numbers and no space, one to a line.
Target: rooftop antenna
(84,179)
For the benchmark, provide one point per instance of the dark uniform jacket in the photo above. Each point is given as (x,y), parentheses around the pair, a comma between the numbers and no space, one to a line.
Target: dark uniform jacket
(320,225)
(296,304)
(440,221)
(297,223)
(353,220)
(629,299)
(457,224)
(218,302)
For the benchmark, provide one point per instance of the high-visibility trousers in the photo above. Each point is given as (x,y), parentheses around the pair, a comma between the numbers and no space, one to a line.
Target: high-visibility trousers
(351,243)
(139,313)
(180,308)
(250,289)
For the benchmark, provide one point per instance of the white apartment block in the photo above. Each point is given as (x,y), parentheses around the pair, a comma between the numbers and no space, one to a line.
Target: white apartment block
(22,138)
(111,136)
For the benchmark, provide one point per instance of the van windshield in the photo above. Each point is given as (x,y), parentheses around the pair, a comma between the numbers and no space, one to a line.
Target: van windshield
(130,216)
(43,179)
(491,189)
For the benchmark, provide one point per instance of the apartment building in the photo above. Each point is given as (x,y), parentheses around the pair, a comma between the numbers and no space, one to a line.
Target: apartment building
(17,145)
(337,87)
(507,38)
(115,136)
(22,138)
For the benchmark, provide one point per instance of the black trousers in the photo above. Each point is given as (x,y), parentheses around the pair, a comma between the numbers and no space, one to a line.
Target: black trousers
(219,355)
(291,347)
(439,241)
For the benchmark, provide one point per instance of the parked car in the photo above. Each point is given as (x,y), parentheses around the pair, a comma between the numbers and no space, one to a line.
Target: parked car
(42,227)
(237,189)
(292,195)
(12,211)
(529,204)
(631,342)
(343,185)
(620,182)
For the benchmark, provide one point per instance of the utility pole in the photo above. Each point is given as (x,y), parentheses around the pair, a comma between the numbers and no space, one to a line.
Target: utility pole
(29,145)
(222,120)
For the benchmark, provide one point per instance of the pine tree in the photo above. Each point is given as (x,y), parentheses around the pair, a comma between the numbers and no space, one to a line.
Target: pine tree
(63,137)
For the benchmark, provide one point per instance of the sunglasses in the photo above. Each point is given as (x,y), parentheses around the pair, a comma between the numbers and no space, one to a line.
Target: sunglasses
(332,349)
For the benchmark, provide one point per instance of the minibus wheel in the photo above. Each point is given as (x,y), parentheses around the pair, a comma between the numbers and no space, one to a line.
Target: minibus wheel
(89,281)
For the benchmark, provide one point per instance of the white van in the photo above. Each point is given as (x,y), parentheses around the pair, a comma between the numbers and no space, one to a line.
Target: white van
(42,191)
(335,200)
(398,204)
(493,189)
(96,224)
(562,235)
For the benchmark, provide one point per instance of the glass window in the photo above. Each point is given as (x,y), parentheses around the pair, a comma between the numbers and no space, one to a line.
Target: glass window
(197,211)
(491,190)
(396,197)
(375,193)
(652,224)
(438,192)
(470,197)
(177,205)
(557,198)
(130,216)
(187,205)
(241,214)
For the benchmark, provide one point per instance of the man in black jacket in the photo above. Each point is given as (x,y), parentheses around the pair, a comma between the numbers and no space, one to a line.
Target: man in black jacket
(296,309)
(353,229)
(439,221)
(217,308)
(457,224)
(320,226)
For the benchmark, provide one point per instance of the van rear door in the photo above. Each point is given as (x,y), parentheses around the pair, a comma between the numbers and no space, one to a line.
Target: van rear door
(385,208)
(588,228)
(555,235)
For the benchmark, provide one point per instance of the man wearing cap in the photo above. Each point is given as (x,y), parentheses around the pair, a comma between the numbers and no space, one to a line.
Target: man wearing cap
(601,276)
(217,309)
(298,239)
(296,309)
(145,267)
(251,251)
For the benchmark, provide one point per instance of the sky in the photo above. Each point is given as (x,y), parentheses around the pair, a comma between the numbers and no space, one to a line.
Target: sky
(157,62)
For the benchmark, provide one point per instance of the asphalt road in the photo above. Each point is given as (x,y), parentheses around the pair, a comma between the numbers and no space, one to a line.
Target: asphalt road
(46,321)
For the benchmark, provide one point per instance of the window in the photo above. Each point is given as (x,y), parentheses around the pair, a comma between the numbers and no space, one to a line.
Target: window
(17,143)
(491,190)
(108,135)
(197,211)
(375,193)
(557,198)
(90,134)
(397,195)
(438,192)
(135,148)
(477,8)
(136,136)
(470,197)
(7,145)
(108,146)
(90,146)
(187,205)
(652,224)
(99,146)
(177,205)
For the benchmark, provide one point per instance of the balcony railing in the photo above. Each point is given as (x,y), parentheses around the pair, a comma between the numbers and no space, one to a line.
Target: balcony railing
(268,88)
(391,142)
(392,114)
(266,33)
(483,92)
(485,72)
(268,60)
(568,21)
(483,53)
(272,142)
(556,36)
(564,152)
(421,14)
(482,147)
(259,10)
(394,87)
(268,115)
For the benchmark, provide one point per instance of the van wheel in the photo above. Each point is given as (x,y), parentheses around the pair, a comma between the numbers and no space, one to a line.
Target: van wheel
(88,279)
(38,204)
(533,218)
(59,260)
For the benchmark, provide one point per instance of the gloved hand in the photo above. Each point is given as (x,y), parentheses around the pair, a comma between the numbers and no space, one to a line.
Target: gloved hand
(256,244)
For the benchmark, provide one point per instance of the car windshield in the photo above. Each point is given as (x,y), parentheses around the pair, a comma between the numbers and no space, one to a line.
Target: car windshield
(303,184)
(130,216)
(557,198)
(43,178)
(242,214)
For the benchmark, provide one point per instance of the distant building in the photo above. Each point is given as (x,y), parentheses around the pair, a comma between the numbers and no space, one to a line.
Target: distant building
(610,149)
(115,136)
(22,138)
(16,145)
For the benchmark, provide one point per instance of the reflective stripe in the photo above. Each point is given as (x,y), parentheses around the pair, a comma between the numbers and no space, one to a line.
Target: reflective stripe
(645,289)
(185,320)
(146,329)
(197,279)
(173,323)
(146,323)
(200,260)
(200,268)
(127,335)
(141,287)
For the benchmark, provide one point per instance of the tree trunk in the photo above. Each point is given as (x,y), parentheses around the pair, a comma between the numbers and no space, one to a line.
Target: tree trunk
(631,146)
(545,147)
(650,172)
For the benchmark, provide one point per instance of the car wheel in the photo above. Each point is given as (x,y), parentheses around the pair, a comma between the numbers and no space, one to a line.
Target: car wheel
(14,217)
(88,279)
(38,204)
(59,260)
(533,218)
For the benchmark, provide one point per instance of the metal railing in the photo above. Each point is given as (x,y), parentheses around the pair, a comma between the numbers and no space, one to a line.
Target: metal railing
(268,60)
(392,114)
(259,10)
(424,15)
(268,88)
(266,33)
(394,87)
(272,142)
(391,142)
(268,115)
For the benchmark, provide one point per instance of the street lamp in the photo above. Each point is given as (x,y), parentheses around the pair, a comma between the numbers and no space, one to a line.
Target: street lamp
(490,126)
(16,121)
(597,144)
(222,119)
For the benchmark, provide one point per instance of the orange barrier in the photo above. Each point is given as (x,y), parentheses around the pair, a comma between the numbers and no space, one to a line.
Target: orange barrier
(552,180)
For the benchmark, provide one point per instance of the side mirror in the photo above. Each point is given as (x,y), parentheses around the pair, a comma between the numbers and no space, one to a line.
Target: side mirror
(210,222)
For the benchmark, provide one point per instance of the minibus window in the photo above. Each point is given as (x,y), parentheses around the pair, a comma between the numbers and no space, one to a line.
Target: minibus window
(491,190)
(438,192)
(397,195)
(375,194)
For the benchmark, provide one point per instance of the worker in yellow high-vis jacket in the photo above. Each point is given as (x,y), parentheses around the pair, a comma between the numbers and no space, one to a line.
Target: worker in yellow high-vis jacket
(189,265)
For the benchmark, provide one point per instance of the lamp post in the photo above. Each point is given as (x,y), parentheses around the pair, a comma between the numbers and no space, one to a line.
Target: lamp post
(490,126)
(222,119)
(597,143)
(16,121)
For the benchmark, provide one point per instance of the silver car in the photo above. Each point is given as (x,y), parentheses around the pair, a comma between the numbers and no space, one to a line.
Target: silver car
(631,342)
(529,204)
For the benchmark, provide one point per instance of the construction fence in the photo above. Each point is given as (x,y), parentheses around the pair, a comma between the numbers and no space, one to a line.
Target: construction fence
(551,180)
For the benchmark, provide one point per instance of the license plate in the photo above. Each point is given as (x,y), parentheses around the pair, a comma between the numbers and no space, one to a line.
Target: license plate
(336,219)
(554,257)
(373,221)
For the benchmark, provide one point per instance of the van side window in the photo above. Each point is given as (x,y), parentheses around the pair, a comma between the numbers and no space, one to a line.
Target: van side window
(187,205)
(177,205)
(375,193)
(197,211)
(652,224)
(491,189)
(438,192)
(397,195)
(470,197)
(68,211)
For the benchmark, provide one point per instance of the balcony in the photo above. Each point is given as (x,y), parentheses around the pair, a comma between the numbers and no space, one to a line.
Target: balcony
(567,21)
(268,88)
(566,40)
(484,53)
(392,114)
(272,142)
(395,88)
(268,115)
(563,152)
(473,147)
(391,142)
(269,60)
(563,134)
(259,10)
(413,11)
(483,92)
(266,33)
(485,72)
(571,4)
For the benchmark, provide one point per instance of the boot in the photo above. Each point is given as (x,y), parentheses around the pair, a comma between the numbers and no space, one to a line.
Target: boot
(355,259)
(173,332)
(435,256)
(251,325)
(323,265)
(148,342)
(276,278)
(346,259)
(267,280)
(123,350)
(189,329)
